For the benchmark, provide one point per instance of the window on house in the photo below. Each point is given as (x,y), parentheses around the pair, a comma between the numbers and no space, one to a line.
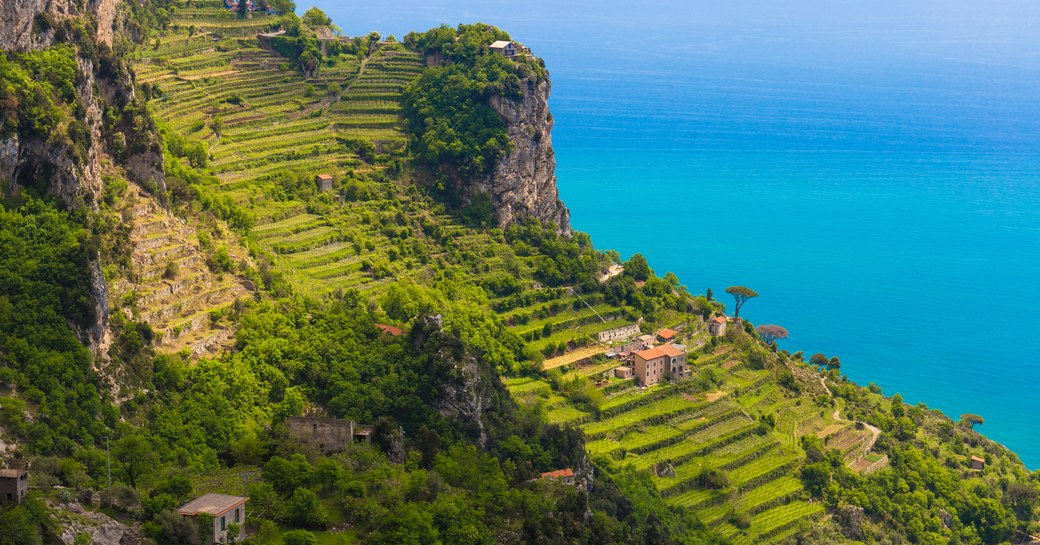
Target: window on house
(223,523)
(238,515)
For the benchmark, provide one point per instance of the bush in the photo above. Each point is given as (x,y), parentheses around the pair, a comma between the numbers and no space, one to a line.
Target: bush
(304,509)
(712,478)
(299,537)
(121,497)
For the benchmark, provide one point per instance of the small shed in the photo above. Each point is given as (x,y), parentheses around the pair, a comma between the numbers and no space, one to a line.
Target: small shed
(14,485)
(977,463)
(623,372)
(504,48)
(717,326)
(225,510)
(565,476)
(324,182)
(666,335)
(646,340)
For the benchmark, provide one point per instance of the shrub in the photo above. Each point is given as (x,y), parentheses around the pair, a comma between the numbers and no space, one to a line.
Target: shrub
(299,537)
(172,270)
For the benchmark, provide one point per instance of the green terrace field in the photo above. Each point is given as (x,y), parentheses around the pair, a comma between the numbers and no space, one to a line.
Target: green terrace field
(279,130)
(675,431)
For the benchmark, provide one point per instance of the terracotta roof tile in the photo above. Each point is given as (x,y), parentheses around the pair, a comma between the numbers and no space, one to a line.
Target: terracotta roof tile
(651,353)
(390,330)
(670,350)
(558,474)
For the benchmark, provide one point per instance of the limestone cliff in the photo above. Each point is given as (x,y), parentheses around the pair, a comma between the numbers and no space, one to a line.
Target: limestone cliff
(524,182)
(72,164)
(28,24)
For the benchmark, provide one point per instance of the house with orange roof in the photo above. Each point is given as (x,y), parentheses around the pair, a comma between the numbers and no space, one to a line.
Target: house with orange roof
(565,476)
(654,364)
(717,326)
(390,330)
(666,335)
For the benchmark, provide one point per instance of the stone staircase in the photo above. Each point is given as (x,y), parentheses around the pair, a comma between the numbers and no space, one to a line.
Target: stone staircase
(172,288)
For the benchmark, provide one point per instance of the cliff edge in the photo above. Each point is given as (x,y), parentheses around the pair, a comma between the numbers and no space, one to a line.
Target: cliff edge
(524,181)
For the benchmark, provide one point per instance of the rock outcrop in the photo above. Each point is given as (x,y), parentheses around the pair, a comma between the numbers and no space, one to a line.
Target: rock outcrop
(524,182)
(467,389)
(74,521)
(72,167)
(26,24)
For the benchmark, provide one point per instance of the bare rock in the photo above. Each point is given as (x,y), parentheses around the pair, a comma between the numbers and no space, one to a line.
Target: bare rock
(524,182)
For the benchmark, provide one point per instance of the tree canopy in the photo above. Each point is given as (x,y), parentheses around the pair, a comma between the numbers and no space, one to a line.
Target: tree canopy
(740,296)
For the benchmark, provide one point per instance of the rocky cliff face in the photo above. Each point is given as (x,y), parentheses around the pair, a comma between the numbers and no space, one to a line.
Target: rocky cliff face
(103,85)
(524,182)
(26,24)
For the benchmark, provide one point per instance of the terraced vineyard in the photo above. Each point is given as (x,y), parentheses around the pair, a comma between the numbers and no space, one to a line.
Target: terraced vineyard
(278,130)
(674,431)
(174,289)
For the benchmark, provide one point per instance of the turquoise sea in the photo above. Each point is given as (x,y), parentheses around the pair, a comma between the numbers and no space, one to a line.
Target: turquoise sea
(871,169)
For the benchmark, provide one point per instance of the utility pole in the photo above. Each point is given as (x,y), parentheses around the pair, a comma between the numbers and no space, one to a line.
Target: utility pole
(108,449)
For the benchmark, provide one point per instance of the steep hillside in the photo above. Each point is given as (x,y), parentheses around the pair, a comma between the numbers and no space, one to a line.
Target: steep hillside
(281,227)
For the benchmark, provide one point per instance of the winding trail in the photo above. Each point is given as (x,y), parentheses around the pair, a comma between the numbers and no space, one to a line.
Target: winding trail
(837,416)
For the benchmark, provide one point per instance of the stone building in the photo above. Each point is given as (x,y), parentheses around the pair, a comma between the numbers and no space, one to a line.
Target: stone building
(225,510)
(324,182)
(623,372)
(326,434)
(977,463)
(717,326)
(618,333)
(14,485)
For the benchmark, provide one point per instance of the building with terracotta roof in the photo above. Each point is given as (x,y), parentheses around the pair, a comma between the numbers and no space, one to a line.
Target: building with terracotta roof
(565,476)
(666,335)
(390,330)
(717,326)
(654,364)
(324,182)
(977,463)
(225,510)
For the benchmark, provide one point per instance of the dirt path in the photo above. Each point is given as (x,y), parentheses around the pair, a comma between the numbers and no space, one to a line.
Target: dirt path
(875,432)
(327,101)
(613,271)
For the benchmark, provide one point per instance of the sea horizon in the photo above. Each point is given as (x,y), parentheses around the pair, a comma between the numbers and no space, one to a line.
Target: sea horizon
(873,172)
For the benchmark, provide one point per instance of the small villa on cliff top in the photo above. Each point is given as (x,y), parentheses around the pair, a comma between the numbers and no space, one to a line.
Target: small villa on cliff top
(504,48)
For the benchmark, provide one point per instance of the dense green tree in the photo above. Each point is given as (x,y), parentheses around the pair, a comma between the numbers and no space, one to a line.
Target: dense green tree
(315,17)
(305,509)
(135,457)
(638,268)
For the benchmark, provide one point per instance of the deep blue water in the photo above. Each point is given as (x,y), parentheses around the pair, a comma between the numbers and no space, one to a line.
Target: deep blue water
(872,169)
